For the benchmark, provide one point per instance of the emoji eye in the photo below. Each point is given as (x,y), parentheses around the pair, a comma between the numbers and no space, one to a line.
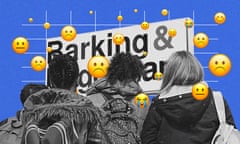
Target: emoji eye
(223,62)
(216,62)
(17,43)
(40,61)
(95,64)
(198,38)
(70,31)
(102,64)
(22,43)
(203,38)
(66,31)
(197,89)
(202,89)
(35,61)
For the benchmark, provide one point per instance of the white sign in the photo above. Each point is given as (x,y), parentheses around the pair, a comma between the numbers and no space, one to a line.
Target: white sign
(155,41)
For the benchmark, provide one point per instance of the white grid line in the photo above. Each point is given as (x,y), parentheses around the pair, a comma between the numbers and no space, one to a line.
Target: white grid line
(169,16)
(46,35)
(193,16)
(26,67)
(35,53)
(95,21)
(144,15)
(212,81)
(46,18)
(213,39)
(70,18)
(120,23)
(53,25)
(205,25)
(33,81)
(205,53)
(36,39)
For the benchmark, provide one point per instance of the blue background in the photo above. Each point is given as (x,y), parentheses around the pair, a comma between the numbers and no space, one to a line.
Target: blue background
(15,13)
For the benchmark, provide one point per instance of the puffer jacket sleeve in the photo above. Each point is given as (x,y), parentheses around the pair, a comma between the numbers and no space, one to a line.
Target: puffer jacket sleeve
(151,126)
(229,117)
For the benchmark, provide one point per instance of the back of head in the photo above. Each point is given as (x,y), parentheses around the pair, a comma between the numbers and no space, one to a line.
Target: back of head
(63,72)
(182,68)
(30,89)
(125,67)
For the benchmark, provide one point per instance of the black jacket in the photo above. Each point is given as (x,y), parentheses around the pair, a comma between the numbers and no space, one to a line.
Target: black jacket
(180,119)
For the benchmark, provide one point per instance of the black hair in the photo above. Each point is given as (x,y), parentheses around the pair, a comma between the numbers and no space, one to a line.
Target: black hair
(63,71)
(30,89)
(124,67)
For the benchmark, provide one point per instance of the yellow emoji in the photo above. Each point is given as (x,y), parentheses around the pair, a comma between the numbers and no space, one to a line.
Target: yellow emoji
(158,76)
(144,25)
(120,18)
(142,100)
(49,49)
(118,38)
(164,12)
(200,40)
(219,18)
(38,63)
(172,32)
(30,20)
(189,23)
(90,12)
(47,25)
(98,66)
(145,53)
(20,45)
(219,65)
(68,33)
(135,10)
(200,91)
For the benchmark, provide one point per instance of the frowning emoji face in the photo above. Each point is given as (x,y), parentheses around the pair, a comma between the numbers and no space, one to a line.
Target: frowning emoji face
(142,100)
(200,91)
(68,33)
(38,63)
(98,66)
(200,40)
(219,65)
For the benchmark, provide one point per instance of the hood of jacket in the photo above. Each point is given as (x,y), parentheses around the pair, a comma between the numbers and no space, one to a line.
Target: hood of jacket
(180,108)
(58,103)
(131,88)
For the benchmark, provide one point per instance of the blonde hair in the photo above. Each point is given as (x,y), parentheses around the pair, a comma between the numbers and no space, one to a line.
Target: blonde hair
(182,68)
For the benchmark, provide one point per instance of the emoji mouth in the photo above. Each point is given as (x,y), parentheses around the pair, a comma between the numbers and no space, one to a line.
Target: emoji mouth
(68,35)
(19,47)
(220,67)
(98,69)
(201,42)
(39,65)
(200,94)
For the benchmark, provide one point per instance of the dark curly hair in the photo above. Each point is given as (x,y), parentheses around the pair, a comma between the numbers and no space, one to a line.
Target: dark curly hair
(63,71)
(30,89)
(125,67)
